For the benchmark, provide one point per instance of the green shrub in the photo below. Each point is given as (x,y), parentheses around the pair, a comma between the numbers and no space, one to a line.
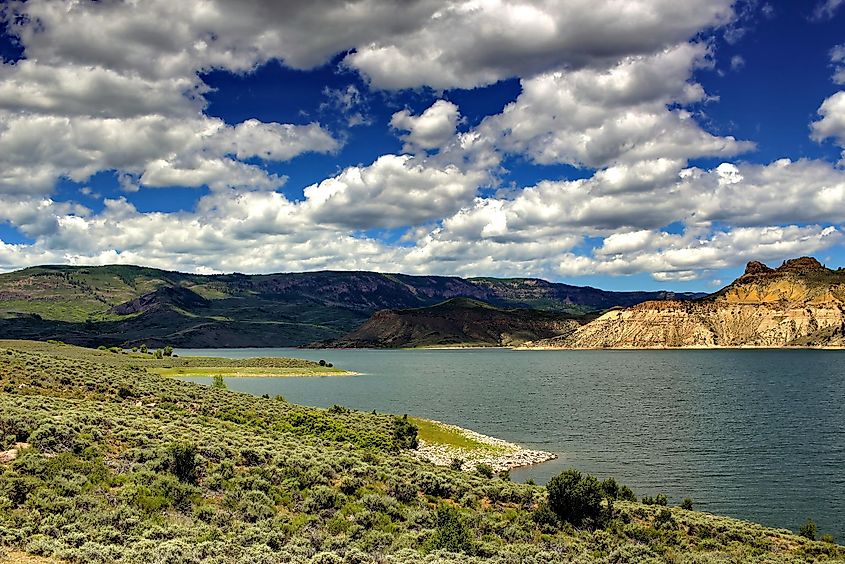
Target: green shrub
(484,470)
(659,499)
(576,498)
(687,504)
(404,433)
(182,462)
(451,532)
(808,529)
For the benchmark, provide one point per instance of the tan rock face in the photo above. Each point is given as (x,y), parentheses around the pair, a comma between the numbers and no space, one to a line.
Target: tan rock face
(799,304)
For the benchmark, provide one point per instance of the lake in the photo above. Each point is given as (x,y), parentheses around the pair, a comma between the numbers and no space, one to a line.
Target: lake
(755,434)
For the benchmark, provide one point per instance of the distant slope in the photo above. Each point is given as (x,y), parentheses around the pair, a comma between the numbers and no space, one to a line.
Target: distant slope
(129,305)
(801,303)
(459,321)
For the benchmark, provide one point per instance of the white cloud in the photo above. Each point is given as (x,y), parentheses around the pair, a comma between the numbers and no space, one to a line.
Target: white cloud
(596,118)
(737,62)
(837,59)
(467,44)
(832,122)
(826,9)
(393,191)
(431,130)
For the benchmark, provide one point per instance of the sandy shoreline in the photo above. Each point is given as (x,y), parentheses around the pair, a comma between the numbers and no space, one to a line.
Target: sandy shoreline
(497,453)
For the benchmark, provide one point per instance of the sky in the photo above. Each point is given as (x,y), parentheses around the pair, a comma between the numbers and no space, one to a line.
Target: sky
(624,144)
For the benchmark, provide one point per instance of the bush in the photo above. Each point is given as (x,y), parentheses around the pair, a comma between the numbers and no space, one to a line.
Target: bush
(687,504)
(545,517)
(485,470)
(808,529)
(613,490)
(575,498)
(182,462)
(659,499)
(451,533)
(404,433)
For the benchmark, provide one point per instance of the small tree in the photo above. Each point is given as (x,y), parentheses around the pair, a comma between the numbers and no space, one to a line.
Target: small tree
(218,382)
(485,470)
(451,533)
(808,529)
(183,462)
(167,351)
(576,498)
(687,504)
(143,348)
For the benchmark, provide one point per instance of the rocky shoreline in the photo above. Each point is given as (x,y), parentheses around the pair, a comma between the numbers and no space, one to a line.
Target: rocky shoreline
(500,455)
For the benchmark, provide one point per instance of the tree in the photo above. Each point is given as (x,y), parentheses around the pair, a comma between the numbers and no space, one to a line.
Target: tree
(218,382)
(808,529)
(167,351)
(576,498)
(687,504)
(452,533)
(183,462)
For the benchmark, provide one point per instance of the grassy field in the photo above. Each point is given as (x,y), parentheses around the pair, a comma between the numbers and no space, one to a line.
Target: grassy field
(250,372)
(433,432)
(183,366)
(102,460)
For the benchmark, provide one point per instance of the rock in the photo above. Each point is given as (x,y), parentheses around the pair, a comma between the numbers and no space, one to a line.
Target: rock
(803,264)
(756,267)
(799,304)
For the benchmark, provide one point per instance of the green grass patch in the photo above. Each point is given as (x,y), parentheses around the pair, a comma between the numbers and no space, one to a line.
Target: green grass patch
(433,432)
(249,371)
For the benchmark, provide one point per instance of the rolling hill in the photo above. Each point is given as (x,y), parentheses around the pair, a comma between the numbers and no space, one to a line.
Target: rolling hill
(458,322)
(126,305)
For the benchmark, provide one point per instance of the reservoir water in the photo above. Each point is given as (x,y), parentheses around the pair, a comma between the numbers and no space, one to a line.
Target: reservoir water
(755,434)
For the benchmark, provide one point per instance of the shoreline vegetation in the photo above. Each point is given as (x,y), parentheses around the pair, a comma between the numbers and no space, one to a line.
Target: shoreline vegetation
(444,444)
(104,461)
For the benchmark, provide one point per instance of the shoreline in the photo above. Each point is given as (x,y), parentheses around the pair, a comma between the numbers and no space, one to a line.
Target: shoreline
(497,453)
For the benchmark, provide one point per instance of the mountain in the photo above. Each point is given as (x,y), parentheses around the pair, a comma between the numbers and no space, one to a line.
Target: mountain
(799,304)
(459,321)
(125,305)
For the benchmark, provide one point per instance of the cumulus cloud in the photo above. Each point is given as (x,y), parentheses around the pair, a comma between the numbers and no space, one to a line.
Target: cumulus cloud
(599,117)
(467,44)
(832,122)
(393,191)
(605,85)
(689,255)
(435,127)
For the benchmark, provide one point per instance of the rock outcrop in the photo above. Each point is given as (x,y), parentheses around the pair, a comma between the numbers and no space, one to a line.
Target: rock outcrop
(799,304)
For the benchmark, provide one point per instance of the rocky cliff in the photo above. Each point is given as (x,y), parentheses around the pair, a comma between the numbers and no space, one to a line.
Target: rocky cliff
(800,303)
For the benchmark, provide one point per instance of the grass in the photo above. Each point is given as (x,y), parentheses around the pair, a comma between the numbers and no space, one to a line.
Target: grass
(184,365)
(250,372)
(433,432)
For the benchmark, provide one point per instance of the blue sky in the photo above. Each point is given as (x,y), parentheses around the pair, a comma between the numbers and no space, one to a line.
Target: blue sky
(662,149)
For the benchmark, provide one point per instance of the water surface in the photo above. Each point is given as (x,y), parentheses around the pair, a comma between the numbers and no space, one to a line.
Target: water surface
(756,434)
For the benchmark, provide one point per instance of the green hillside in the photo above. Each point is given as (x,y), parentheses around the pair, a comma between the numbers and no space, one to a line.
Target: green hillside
(103,462)
(128,305)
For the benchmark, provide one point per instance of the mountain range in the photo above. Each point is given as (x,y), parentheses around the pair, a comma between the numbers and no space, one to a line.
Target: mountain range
(130,305)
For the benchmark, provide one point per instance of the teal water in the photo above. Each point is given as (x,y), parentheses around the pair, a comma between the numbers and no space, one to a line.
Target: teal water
(755,434)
